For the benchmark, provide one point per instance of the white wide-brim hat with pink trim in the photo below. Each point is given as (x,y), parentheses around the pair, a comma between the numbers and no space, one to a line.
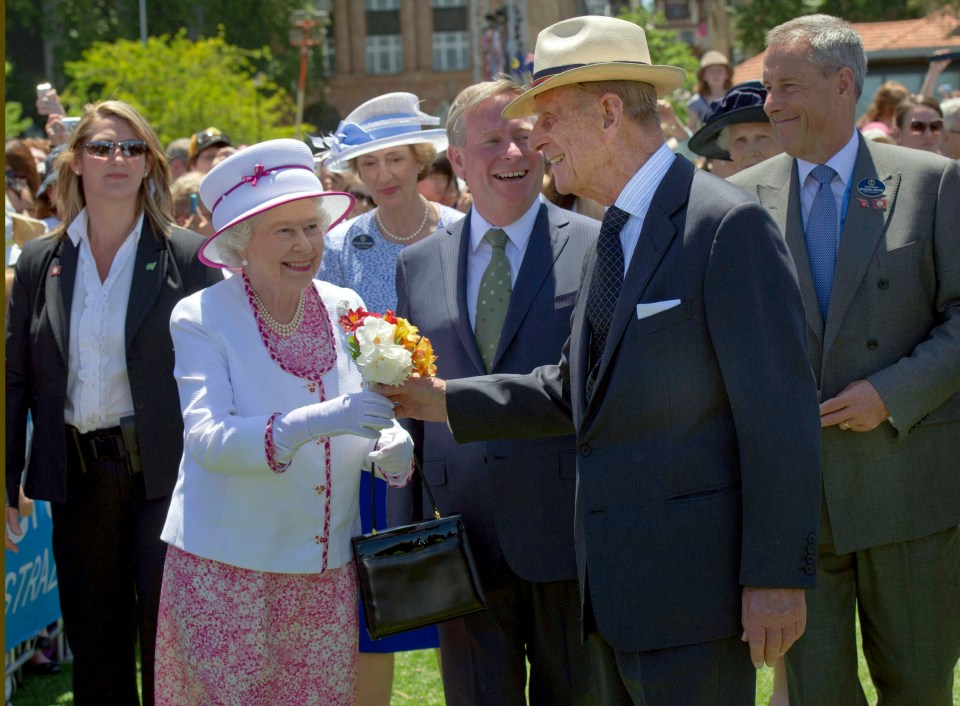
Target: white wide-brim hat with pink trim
(257,179)
(592,48)
(390,120)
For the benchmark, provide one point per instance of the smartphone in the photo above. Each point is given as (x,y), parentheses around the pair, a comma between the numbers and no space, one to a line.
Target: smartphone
(48,102)
(193,203)
(951,55)
(69,124)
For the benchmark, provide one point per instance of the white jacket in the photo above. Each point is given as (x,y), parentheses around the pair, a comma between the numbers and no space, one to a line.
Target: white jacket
(228,505)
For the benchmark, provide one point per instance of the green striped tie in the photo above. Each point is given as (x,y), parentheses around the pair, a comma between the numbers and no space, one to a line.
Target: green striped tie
(493,297)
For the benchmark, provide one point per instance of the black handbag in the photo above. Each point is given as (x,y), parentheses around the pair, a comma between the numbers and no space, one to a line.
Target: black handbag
(418,574)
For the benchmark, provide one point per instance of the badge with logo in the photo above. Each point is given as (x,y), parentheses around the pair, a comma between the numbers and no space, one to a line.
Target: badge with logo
(864,203)
(880,203)
(871,188)
(363,242)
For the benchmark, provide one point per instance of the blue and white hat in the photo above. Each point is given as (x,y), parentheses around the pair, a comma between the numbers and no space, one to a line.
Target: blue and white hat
(257,179)
(389,120)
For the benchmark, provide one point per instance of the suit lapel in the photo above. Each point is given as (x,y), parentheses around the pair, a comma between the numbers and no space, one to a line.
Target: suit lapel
(862,230)
(546,242)
(453,261)
(655,237)
(781,198)
(152,270)
(59,292)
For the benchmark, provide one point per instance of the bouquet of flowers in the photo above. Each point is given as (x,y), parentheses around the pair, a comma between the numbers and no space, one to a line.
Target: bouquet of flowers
(388,349)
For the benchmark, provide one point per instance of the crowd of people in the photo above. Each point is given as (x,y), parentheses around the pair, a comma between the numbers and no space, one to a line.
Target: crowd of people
(697,418)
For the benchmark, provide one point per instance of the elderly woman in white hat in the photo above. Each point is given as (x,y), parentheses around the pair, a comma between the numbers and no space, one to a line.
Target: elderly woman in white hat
(390,144)
(259,591)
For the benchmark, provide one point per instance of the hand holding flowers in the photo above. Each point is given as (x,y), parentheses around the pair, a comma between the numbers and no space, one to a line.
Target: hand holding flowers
(388,348)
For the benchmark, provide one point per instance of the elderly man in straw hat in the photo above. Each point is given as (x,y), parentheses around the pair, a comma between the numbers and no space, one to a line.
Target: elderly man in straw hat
(685,380)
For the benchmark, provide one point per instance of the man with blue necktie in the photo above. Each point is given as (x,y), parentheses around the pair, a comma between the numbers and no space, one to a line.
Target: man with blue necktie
(875,233)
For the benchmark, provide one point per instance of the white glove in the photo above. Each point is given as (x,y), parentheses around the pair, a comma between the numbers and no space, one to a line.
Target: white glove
(394,455)
(360,413)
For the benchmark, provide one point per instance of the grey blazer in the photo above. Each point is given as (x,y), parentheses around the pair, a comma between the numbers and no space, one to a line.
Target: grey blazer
(516,497)
(698,454)
(38,327)
(894,320)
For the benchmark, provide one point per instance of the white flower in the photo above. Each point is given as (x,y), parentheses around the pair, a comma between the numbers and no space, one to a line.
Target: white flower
(381,359)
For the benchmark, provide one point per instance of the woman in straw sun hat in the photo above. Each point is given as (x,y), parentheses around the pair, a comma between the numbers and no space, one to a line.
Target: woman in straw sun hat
(259,595)
(390,144)
(714,78)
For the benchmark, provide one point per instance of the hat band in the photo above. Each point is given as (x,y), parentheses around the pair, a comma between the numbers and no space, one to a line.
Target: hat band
(259,171)
(350,135)
(541,76)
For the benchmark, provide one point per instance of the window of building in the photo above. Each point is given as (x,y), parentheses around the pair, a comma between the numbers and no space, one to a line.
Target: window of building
(677,11)
(451,40)
(384,46)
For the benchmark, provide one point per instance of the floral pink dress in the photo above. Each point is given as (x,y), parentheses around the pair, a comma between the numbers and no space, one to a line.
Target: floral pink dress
(229,635)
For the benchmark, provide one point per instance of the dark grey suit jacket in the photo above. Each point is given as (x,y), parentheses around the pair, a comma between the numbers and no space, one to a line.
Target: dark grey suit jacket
(894,320)
(38,327)
(516,498)
(698,454)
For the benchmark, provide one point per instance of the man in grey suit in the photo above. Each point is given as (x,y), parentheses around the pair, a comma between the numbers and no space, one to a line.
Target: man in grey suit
(516,497)
(685,381)
(883,337)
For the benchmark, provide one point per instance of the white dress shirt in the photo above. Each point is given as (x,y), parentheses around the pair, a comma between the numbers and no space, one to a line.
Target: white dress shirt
(98,388)
(636,197)
(480,252)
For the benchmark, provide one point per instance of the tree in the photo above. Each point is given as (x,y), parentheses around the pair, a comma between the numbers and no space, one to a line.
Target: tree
(182,86)
(15,124)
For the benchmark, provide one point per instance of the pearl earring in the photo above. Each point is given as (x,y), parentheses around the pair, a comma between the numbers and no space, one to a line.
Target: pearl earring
(244,262)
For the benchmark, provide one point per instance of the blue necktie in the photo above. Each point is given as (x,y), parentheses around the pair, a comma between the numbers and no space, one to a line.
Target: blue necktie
(822,234)
(605,287)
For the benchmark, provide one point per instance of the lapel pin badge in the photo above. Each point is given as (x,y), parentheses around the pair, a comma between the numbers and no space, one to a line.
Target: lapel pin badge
(151,266)
(880,203)
(55,270)
(871,188)
(864,203)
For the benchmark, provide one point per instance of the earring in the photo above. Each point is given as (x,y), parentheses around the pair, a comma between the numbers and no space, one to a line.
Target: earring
(244,262)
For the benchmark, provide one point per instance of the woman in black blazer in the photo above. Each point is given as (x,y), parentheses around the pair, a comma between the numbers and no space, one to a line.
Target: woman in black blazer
(89,357)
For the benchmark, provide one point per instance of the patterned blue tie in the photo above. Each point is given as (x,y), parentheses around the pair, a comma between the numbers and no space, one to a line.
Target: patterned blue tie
(605,287)
(822,234)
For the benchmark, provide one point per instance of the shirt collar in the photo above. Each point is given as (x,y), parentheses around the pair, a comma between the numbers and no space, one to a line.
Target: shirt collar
(78,230)
(638,193)
(518,232)
(842,162)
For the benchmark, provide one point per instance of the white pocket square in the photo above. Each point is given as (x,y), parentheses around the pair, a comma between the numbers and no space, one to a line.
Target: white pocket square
(651,308)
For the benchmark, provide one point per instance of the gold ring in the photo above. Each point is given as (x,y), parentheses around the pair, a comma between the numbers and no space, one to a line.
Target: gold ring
(845,426)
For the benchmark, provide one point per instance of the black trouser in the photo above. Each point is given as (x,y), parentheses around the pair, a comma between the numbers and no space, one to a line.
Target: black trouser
(106,542)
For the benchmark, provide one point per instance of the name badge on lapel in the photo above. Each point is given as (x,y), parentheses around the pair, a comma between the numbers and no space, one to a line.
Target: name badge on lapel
(871,188)
(362,242)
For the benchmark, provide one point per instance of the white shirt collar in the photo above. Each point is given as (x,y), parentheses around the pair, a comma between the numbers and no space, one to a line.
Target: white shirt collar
(842,162)
(638,193)
(518,232)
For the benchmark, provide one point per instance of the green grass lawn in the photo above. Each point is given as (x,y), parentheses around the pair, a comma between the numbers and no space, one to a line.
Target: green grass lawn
(417,682)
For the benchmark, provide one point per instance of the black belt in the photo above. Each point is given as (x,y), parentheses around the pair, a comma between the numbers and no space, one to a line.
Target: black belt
(104,445)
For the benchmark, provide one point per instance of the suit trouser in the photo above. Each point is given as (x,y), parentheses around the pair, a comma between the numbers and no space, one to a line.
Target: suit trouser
(484,655)
(106,542)
(908,598)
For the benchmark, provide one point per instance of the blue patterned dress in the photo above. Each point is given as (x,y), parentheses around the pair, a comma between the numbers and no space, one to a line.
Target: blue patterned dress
(356,255)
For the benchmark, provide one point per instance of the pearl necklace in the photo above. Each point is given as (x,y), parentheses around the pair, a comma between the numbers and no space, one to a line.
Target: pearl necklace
(276,326)
(405,238)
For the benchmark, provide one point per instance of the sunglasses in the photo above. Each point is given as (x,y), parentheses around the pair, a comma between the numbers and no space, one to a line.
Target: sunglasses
(918,127)
(105,148)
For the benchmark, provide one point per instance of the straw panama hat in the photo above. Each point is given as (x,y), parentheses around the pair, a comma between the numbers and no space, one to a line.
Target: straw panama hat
(592,48)
(713,58)
(255,180)
(390,120)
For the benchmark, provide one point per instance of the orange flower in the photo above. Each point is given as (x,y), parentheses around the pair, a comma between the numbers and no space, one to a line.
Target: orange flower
(423,358)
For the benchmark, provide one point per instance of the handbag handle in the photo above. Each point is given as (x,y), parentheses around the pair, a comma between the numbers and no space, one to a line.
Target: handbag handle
(373,504)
